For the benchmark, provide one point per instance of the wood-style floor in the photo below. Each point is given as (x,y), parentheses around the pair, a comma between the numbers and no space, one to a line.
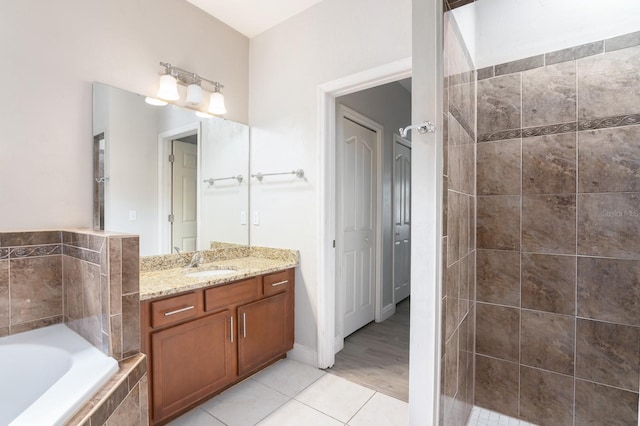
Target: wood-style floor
(377,355)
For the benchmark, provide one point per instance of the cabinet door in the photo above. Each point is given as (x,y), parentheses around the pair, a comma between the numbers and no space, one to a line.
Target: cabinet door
(189,361)
(262,332)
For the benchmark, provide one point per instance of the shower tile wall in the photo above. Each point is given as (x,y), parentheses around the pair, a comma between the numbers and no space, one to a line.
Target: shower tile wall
(458,241)
(558,231)
(86,280)
(101,280)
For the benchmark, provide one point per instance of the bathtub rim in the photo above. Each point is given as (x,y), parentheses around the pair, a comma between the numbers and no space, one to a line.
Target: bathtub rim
(87,360)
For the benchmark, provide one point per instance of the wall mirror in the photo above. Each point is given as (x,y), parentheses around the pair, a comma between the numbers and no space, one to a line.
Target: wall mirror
(178,180)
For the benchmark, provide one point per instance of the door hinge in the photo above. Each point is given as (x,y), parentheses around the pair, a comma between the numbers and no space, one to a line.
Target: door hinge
(334,243)
(172,158)
(171,218)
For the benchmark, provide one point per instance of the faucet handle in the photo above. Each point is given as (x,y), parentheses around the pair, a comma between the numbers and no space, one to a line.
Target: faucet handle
(196,259)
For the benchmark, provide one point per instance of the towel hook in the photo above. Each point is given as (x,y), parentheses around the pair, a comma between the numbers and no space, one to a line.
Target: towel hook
(424,127)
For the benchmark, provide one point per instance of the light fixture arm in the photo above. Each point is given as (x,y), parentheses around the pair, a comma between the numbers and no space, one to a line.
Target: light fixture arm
(186,78)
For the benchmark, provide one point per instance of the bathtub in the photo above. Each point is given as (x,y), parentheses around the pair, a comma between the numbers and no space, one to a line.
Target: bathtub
(47,374)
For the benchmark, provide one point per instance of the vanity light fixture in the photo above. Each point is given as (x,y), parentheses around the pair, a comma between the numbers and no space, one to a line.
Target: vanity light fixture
(194,94)
(216,102)
(168,89)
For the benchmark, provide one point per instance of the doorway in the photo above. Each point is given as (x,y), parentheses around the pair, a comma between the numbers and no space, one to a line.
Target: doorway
(425,317)
(372,332)
(184,173)
(179,157)
(328,301)
(372,194)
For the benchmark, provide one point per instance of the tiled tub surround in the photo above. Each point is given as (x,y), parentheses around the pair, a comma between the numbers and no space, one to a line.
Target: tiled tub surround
(122,401)
(166,275)
(558,262)
(88,280)
(458,278)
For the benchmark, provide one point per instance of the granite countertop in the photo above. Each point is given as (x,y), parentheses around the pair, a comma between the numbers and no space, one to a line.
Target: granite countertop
(164,282)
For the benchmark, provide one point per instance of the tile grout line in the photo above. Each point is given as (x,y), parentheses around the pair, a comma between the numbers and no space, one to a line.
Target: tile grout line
(575,287)
(520,245)
(9,298)
(211,415)
(361,407)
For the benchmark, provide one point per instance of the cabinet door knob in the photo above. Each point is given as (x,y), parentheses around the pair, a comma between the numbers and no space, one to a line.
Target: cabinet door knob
(177,311)
(280,283)
(231,329)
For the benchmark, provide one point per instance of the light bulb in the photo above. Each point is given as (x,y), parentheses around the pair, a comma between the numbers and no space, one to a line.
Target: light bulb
(168,89)
(216,104)
(194,94)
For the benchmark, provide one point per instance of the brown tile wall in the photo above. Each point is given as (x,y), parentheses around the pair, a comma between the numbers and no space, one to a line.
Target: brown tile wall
(459,255)
(31,291)
(87,280)
(101,281)
(558,181)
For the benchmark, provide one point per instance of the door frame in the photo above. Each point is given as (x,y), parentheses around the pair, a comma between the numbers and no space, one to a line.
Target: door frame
(364,121)
(407,143)
(164,182)
(327,94)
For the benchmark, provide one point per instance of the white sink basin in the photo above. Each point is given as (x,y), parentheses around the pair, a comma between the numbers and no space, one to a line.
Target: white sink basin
(210,273)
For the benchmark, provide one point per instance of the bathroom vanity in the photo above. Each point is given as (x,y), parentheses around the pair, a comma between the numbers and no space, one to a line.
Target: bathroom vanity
(204,334)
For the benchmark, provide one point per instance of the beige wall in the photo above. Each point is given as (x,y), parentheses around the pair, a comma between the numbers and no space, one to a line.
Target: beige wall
(288,64)
(52,52)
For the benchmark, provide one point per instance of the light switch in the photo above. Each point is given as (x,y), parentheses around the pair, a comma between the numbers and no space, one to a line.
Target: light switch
(256,218)
(243,217)
(132,215)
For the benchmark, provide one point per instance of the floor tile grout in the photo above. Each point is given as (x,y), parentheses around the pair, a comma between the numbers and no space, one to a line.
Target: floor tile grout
(361,407)
(225,407)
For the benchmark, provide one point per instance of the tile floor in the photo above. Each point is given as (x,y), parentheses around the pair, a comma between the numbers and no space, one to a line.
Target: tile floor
(291,393)
(484,417)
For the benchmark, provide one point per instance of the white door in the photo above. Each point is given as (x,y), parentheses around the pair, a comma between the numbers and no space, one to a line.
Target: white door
(402,220)
(357,221)
(183,192)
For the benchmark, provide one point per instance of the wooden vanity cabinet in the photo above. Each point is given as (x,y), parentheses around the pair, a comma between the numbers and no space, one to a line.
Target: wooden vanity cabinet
(262,333)
(265,325)
(203,345)
(201,342)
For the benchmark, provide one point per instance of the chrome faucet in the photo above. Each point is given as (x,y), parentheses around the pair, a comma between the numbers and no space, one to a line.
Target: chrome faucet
(196,260)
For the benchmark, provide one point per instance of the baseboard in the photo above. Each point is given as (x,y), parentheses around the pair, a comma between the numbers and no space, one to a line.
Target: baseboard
(387,311)
(338,344)
(303,354)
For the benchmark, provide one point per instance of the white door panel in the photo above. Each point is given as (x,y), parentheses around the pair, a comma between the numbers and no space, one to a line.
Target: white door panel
(357,218)
(184,193)
(402,222)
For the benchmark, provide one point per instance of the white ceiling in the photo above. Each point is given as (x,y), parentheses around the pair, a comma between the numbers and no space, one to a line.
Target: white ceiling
(251,17)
